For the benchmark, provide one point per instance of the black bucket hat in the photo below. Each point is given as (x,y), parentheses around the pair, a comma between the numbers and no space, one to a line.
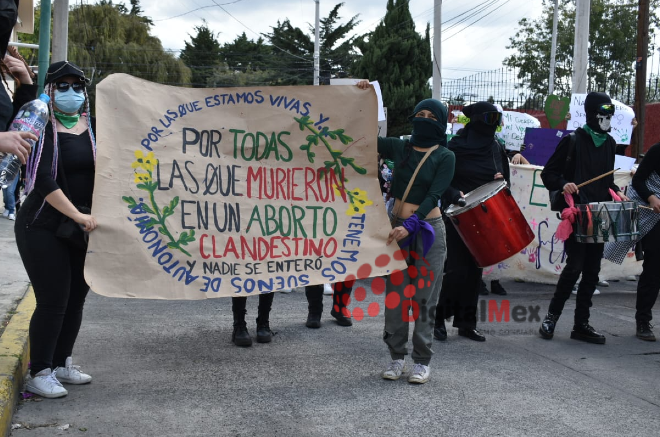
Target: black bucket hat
(60,69)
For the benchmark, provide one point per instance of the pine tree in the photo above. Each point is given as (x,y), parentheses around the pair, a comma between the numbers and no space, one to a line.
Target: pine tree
(400,59)
(243,54)
(295,49)
(202,54)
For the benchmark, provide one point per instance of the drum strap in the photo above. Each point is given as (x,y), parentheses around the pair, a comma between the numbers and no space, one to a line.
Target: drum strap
(395,213)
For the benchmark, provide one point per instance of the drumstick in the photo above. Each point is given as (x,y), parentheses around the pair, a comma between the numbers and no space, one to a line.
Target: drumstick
(596,178)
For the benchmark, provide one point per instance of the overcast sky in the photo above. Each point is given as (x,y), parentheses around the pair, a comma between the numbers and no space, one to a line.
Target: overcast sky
(481,46)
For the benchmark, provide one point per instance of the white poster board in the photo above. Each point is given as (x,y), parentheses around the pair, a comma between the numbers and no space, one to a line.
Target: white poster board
(513,129)
(621,122)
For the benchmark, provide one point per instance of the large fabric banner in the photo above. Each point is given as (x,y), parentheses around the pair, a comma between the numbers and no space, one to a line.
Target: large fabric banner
(544,259)
(231,192)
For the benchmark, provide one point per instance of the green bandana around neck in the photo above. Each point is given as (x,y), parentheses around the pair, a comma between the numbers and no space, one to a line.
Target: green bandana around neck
(68,121)
(599,138)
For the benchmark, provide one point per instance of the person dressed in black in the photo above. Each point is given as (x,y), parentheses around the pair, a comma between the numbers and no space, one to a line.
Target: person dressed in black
(241,336)
(646,189)
(592,155)
(480,159)
(13,142)
(59,183)
(341,296)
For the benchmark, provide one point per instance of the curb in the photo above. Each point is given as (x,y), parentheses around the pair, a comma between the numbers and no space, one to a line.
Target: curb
(14,349)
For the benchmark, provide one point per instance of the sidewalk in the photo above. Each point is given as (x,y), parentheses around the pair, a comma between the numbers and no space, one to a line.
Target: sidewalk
(168,368)
(17,311)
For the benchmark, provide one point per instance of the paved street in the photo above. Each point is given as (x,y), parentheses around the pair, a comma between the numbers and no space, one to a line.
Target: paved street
(168,368)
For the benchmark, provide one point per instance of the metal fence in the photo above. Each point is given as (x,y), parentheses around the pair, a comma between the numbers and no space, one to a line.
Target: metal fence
(504,86)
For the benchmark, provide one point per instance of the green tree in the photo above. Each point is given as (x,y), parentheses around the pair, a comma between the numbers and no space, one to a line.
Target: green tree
(202,55)
(612,45)
(294,49)
(106,38)
(400,59)
(244,54)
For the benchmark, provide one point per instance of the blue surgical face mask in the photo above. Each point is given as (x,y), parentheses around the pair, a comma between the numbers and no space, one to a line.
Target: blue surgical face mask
(69,101)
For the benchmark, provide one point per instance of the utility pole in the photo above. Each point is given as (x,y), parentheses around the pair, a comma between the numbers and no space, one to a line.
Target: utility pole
(437,49)
(317,54)
(60,30)
(637,145)
(581,46)
(44,42)
(553,50)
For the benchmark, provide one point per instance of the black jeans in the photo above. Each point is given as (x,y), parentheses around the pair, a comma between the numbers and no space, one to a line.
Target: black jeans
(238,305)
(56,273)
(459,295)
(314,294)
(582,258)
(649,281)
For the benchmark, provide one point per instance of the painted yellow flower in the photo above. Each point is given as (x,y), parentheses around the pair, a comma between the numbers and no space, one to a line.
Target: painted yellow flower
(144,162)
(359,201)
(141,178)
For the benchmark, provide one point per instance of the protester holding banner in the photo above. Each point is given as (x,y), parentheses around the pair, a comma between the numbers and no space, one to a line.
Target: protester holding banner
(52,245)
(14,142)
(480,159)
(241,336)
(423,168)
(579,157)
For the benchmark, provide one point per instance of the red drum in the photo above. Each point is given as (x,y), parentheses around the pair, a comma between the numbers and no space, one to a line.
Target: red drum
(491,225)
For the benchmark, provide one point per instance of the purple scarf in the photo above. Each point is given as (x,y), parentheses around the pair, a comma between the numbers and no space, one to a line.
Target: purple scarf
(414,226)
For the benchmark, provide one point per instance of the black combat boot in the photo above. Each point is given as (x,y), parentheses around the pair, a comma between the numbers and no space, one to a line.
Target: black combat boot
(339,303)
(644,331)
(240,336)
(440,331)
(547,329)
(584,332)
(264,334)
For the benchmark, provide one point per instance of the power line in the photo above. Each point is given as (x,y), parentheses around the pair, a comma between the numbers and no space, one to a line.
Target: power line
(197,9)
(476,21)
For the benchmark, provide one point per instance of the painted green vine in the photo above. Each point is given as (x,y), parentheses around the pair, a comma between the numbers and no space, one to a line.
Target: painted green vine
(357,198)
(144,181)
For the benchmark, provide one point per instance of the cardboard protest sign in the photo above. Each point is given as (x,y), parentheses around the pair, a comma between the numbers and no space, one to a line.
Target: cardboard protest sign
(513,128)
(555,109)
(541,144)
(231,192)
(621,121)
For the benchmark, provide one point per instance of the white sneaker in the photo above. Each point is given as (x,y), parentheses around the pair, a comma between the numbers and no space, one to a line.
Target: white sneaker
(420,374)
(394,370)
(286,290)
(603,284)
(631,278)
(11,216)
(70,374)
(327,289)
(45,384)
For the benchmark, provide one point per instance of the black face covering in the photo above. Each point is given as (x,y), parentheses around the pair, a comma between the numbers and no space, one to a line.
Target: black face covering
(592,105)
(482,119)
